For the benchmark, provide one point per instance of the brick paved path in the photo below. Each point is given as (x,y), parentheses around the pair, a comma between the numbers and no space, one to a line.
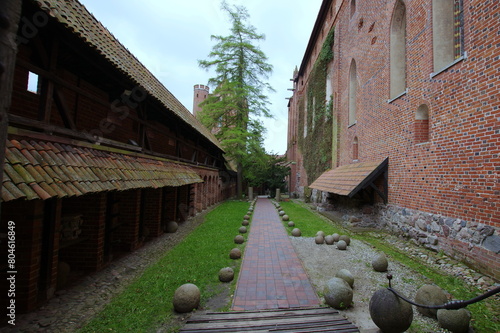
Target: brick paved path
(271,275)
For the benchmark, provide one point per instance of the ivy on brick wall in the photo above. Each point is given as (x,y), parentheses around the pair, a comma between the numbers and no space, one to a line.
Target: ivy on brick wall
(316,112)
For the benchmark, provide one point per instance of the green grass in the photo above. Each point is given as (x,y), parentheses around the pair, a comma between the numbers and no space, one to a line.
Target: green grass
(485,314)
(147,302)
(307,221)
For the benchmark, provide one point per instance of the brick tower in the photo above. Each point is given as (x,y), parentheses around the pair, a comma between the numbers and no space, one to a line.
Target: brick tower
(199,95)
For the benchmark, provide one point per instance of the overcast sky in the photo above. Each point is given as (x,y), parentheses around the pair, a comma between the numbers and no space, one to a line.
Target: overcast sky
(170,36)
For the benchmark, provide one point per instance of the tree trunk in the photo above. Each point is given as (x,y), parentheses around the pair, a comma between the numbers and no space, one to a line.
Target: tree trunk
(239,180)
(10,14)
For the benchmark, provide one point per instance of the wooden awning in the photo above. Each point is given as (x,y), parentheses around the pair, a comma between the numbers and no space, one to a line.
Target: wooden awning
(347,180)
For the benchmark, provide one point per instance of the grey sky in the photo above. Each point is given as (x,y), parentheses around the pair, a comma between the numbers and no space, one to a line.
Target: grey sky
(169,37)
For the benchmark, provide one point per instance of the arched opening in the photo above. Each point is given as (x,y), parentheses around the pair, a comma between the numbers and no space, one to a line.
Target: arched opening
(446,32)
(353,92)
(422,124)
(398,50)
(353,7)
(355,149)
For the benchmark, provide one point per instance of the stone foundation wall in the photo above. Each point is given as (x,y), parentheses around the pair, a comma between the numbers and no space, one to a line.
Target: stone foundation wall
(476,244)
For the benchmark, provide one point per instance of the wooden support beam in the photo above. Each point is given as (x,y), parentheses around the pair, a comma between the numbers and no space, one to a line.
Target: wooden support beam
(10,15)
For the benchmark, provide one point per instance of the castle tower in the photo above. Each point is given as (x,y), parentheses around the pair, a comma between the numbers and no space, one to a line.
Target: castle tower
(199,95)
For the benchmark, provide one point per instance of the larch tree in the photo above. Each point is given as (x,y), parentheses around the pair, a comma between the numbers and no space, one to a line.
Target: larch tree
(232,111)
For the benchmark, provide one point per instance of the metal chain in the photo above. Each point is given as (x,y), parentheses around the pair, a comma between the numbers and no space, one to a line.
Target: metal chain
(452,305)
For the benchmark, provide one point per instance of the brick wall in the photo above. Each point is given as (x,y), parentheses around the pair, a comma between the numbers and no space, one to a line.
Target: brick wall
(454,171)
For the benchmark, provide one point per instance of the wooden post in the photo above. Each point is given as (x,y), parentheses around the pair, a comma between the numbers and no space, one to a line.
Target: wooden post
(10,14)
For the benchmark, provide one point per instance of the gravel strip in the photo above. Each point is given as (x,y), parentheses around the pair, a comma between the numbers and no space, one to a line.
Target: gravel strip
(322,262)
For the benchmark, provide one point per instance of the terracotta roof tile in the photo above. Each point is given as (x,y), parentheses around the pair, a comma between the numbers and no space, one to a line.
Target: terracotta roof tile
(41,173)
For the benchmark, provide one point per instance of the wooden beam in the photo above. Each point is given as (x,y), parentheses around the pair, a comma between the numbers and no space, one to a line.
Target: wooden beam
(10,15)
(62,106)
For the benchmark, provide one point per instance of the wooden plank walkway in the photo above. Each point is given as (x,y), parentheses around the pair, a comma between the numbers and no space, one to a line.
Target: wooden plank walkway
(306,320)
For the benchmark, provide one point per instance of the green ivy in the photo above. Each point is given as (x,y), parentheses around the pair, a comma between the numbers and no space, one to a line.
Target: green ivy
(316,145)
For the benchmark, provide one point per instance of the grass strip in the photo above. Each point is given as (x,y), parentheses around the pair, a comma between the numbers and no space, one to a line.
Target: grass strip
(147,302)
(307,221)
(485,314)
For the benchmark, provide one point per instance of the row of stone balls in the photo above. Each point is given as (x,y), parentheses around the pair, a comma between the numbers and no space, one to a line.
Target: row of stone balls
(187,297)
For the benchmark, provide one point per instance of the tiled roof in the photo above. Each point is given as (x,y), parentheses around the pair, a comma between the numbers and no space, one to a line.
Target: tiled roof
(81,22)
(349,179)
(43,170)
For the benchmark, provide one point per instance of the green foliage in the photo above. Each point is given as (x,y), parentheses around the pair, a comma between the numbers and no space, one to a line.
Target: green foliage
(316,112)
(147,302)
(238,99)
(267,171)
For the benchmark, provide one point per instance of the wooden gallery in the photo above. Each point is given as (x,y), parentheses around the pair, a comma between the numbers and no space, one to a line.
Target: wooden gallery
(100,157)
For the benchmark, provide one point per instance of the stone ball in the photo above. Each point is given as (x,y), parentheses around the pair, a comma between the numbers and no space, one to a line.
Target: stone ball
(282,212)
(346,239)
(329,240)
(186,298)
(226,274)
(342,245)
(171,227)
(246,217)
(250,209)
(346,275)
(456,321)
(338,294)
(245,222)
(291,224)
(390,313)
(235,253)
(296,232)
(319,239)
(285,217)
(336,237)
(243,230)
(321,233)
(239,239)
(430,295)
(380,263)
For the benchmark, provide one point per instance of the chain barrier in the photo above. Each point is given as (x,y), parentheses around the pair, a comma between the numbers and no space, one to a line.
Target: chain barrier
(452,305)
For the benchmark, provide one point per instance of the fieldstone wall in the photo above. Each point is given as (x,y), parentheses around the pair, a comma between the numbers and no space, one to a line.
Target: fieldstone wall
(476,244)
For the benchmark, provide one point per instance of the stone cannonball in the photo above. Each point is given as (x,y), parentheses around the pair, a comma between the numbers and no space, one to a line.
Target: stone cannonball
(380,263)
(243,230)
(390,313)
(319,239)
(342,245)
(329,240)
(322,233)
(282,212)
(171,227)
(285,217)
(338,294)
(456,321)
(246,217)
(336,237)
(186,298)
(430,295)
(296,232)
(346,275)
(226,274)
(239,239)
(346,239)
(291,224)
(245,222)
(235,253)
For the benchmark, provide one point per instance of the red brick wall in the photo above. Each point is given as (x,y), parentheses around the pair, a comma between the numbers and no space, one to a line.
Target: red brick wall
(453,172)
(28,218)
